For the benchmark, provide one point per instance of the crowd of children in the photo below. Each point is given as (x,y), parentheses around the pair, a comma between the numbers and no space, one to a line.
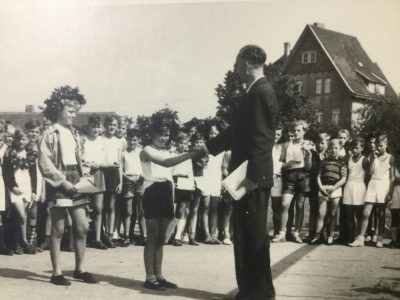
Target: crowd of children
(111,149)
(333,174)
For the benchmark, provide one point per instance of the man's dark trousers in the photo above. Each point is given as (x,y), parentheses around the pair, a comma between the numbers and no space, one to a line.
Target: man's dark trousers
(251,246)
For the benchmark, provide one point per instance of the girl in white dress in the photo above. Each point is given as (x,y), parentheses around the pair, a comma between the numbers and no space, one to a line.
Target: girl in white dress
(211,193)
(381,171)
(93,161)
(355,188)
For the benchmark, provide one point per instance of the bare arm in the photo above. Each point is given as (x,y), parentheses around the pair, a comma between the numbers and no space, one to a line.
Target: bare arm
(153,155)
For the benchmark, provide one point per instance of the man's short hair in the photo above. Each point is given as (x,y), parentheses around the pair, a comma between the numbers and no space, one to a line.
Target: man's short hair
(253,54)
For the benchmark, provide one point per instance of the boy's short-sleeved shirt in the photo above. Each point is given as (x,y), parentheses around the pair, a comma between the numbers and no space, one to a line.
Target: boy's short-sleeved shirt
(332,170)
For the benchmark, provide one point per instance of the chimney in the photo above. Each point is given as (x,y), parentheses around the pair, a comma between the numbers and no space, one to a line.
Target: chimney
(286,49)
(320,25)
(29,108)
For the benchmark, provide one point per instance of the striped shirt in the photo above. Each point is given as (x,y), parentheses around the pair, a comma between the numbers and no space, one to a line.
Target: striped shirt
(332,170)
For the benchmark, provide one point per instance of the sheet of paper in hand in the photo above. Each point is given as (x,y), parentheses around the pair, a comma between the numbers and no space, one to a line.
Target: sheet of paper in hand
(233,183)
(86,185)
(185,184)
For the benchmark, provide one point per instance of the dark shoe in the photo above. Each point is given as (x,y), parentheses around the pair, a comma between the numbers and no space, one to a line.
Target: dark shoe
(100,245)
(19,250)
(6,251)
(208,241)
(30,249)
(109,243)
(177,243)
(60,280)
(125,243)
(155,285)
(169,285)
(193,242)
(316,241)
(45,245)
(85,276)
(141,242)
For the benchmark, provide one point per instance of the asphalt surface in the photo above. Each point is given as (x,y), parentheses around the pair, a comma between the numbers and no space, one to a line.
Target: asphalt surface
(207,273)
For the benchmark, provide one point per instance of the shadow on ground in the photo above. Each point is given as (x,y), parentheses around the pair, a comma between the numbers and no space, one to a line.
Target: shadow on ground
(121,282)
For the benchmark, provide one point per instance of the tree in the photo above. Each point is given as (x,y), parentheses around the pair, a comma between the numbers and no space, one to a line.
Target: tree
(292,104)
(381,117)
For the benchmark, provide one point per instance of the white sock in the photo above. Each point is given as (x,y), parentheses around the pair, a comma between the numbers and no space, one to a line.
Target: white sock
(179,228)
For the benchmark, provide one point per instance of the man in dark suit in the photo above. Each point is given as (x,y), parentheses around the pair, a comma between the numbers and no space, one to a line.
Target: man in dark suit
(251,137)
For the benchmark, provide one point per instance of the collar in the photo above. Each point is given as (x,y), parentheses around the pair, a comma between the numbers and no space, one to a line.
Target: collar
(56,128)
(251,84)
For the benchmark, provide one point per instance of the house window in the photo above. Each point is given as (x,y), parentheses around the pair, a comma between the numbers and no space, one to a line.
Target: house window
(320,116)
(299,86)
(336,116)
(327,87)
(318,87)
(309,57)
(376,88)
(380,89)
(313,56)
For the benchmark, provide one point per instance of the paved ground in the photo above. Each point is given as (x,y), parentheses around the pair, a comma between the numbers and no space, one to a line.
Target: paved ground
(207,273)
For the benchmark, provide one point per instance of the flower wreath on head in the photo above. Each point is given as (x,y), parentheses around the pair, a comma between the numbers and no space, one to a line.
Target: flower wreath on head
(61,97)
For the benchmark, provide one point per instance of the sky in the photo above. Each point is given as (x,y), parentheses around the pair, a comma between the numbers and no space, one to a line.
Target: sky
(135,57)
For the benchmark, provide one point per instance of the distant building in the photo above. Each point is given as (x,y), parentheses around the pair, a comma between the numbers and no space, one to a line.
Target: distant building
(335,72)
(18,119)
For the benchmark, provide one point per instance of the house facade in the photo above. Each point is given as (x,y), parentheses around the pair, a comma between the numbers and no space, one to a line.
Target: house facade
(336,74)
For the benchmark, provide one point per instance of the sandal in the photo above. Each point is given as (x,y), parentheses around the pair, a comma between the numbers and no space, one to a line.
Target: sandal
(154,285)
(169,285)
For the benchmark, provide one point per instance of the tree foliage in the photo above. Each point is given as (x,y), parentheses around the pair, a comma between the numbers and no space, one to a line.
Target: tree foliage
(381,118)
(292,104)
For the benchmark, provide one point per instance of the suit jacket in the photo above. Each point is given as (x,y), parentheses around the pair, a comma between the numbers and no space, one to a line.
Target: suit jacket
(251,134)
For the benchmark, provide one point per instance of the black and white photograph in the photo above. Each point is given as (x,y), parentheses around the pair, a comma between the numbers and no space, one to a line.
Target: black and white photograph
(199,149)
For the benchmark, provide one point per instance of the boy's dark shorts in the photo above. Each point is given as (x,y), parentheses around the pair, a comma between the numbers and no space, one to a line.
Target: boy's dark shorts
(296,181)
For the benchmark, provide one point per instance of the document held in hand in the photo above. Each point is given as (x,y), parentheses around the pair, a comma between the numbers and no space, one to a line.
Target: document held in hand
(86,185)
(233,183)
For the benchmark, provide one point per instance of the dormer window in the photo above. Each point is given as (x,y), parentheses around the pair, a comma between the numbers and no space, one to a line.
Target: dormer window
(376,88)
(309,57)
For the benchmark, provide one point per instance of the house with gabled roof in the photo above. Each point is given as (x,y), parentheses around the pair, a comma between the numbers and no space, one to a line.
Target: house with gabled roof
(335,72)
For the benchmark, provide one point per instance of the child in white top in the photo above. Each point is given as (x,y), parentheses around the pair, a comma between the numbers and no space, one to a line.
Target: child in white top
(211,193)
(132,188)
(355,188)
(184,187)
(112,175)
(296,159)
(382,175)
(93,162)
(158,202)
